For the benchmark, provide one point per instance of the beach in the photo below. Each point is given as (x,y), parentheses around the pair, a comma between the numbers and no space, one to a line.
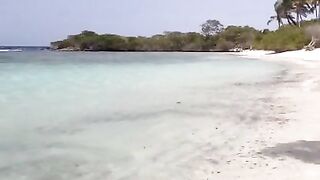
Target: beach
(141,116)
(287,145)
(160,90)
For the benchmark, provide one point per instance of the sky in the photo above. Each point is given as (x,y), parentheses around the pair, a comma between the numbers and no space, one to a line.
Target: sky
(39,22)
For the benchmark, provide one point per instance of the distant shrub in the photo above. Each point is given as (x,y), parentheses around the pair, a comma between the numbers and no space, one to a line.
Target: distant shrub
(237,37)
(286,38)
(62,44)
(224,45)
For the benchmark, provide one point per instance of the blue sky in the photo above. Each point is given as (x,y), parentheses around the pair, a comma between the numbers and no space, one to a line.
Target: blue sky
(38,22)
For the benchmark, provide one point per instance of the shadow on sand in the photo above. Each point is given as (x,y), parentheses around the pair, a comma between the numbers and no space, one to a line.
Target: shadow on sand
(306,151)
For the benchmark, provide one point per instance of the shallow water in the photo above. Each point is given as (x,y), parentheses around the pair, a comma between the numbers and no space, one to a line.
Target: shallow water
(136,116)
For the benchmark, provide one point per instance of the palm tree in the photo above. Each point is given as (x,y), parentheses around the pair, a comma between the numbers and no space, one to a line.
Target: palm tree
(280,13)
(302,8)
(310,6)
(286,9)
(315,4)
(276,17)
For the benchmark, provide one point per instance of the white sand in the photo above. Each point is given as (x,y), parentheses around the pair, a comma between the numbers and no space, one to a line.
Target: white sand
(283,143)
(288,147)
(290,55)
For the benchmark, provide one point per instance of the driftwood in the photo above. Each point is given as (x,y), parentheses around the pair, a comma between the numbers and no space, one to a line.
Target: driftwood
(312,45)
(314,32)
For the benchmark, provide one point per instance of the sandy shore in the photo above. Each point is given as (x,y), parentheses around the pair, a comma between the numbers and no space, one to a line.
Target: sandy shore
(301,55)
(286,146)
(264,128)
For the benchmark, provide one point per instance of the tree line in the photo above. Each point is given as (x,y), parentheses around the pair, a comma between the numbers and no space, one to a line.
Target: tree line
(213,37)
(297,33)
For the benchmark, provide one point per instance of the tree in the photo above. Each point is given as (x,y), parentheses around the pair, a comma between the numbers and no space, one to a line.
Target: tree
(302,8)
(211,27)
(286,9)
(241,37)
(315,7)
(275,17)
(283,9)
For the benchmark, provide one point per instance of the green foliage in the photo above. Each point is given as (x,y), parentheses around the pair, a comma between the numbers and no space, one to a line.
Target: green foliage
(169,41)
(224,45)
(233,36)
(295,11)
(62,44)
(237,36)
(286,38)
(211,27)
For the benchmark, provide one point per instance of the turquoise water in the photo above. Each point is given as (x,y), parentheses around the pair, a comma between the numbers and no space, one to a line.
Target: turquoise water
(120,115)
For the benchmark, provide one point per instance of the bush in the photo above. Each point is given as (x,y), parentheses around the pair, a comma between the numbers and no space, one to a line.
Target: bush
(224,45)
(240,37)
(287,38)
(284,39)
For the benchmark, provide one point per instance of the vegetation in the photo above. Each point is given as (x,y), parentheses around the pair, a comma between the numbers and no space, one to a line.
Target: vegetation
(284,39)
(296,34)
(295,11)
(214,37)
(169,41)
(299,33)
(211,27)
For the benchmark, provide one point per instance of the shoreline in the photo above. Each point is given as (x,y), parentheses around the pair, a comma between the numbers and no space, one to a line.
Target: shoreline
(262,129)
(291,56)
(288,146)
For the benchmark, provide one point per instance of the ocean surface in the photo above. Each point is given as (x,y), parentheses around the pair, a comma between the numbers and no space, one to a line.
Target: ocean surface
(125,116)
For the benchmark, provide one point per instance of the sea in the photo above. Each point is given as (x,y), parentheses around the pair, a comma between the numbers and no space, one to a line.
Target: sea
(125,115)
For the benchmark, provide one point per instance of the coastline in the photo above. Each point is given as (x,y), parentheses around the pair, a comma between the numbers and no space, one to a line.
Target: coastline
(270,130)
(287,145)
(299,55)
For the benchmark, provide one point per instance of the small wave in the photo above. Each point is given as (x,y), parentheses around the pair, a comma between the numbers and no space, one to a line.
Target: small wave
(10,50)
